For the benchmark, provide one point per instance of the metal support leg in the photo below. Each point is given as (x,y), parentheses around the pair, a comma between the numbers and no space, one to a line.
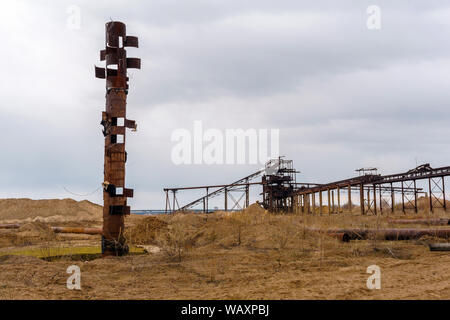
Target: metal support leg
(226,199)
(329,202)
(403,199)
(443,192)
(339,199)
(361,198)
(350,198)
(430,194)
(415,197)
(392,198)
(313,200)
(375,199)
(320,202)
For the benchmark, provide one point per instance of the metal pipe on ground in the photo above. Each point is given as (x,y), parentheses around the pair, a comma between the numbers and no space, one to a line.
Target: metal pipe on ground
(9,226)
(439,246)
(388,234)
(77,230)
(431,222)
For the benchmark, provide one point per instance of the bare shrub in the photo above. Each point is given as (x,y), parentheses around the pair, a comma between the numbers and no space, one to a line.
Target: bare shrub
(177,240)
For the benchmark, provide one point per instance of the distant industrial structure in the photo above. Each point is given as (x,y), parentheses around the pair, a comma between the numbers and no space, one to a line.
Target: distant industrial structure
(282,193)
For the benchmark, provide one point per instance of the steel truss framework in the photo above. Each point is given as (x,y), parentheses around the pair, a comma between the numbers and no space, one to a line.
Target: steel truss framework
(374,188)
(281,193)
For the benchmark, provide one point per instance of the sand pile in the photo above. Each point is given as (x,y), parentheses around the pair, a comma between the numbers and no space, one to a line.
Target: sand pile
(145,231)
(37,230)
(52,210)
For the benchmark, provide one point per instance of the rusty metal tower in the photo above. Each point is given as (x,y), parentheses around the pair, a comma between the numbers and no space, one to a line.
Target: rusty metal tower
(114,123)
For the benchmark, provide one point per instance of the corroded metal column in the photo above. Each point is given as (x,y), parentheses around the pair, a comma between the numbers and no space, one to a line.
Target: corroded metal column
(114,123)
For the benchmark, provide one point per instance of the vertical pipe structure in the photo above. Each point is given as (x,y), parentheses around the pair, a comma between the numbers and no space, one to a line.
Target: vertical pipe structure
(443,192)
(361,198)
(430,193)
(339,199)
(349,198)
(320,202)
(380,199)
(114,124)
(375,199)
(392,199)
(415,197)
(329,201)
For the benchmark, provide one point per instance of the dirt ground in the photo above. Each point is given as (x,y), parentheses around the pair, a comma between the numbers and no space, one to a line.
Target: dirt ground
(244,255)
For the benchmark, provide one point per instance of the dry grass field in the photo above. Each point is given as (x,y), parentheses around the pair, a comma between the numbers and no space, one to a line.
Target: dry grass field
(250,254)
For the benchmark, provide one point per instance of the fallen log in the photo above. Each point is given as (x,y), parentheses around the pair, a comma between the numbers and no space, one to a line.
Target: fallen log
(431,222)
(439,246)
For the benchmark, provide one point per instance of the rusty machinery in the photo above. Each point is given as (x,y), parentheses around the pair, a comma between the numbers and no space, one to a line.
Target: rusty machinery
(114,123)
(281,192)
(373,188)
(279,185)
(278,179)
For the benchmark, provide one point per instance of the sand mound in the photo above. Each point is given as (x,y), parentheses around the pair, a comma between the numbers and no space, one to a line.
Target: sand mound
(145,231)
(52,210)
(255,208)
(36,230)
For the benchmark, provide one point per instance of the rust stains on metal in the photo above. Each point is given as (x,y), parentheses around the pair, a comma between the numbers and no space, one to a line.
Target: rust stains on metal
(388,234)
(114,123)
(431,222)
(77,230)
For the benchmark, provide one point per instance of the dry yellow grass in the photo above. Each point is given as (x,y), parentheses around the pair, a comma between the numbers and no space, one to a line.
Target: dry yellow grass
(245,255)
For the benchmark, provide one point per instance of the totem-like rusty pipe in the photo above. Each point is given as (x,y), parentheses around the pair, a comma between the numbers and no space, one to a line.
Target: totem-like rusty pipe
(114,123)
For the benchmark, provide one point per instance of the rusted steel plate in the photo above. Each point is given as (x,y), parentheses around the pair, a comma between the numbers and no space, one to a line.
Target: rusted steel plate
(131,41)
(117,130)
(130,123)
(117,147)
(114,30)
(128,193)
(111,58)
(100,72)
(134,63)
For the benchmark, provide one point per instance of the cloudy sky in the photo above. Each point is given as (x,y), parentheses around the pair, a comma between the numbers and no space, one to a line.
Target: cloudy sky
(343,96)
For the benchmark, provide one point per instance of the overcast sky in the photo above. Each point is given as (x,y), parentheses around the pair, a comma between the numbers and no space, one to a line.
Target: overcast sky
(343,96)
